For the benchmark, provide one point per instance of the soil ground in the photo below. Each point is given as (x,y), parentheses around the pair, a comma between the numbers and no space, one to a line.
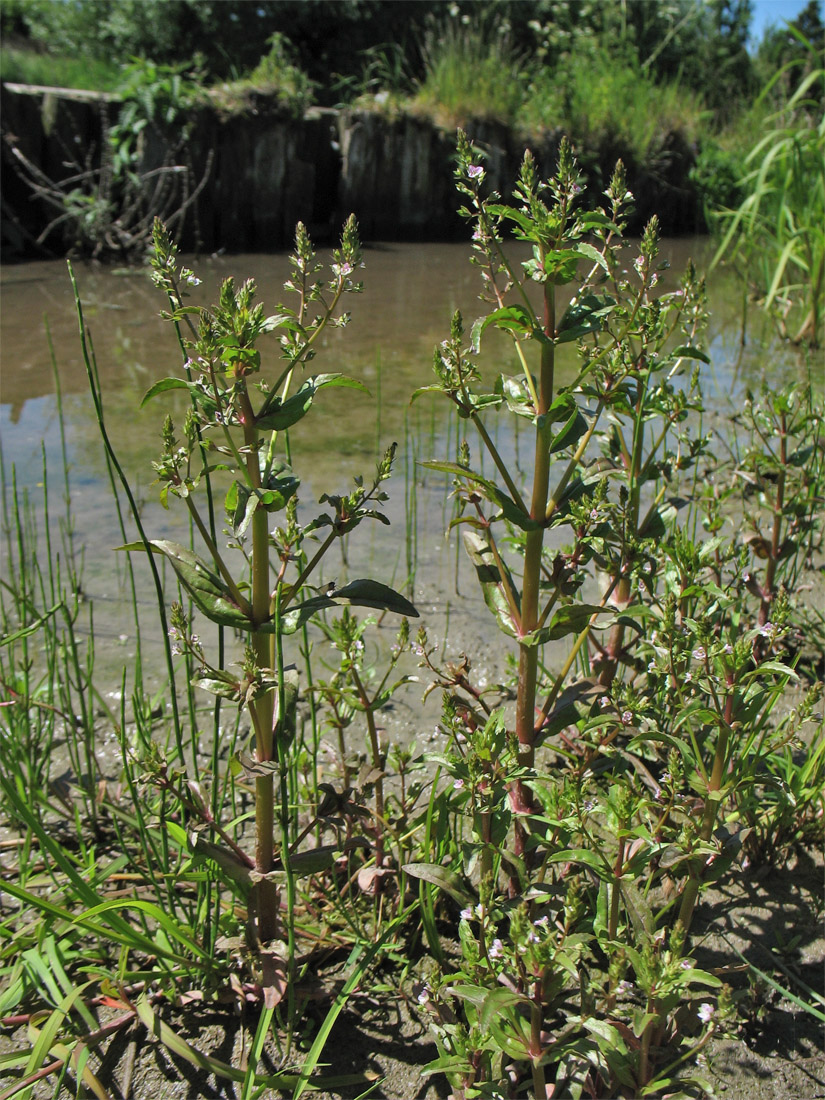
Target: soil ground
(778,1052)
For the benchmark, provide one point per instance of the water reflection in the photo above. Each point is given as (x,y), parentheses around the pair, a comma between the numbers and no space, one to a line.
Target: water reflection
(410,294)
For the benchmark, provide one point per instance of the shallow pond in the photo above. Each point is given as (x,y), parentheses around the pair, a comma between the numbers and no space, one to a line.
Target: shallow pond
(410,294)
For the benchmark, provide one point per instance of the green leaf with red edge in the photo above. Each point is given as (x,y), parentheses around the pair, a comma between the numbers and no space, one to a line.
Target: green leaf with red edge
(209,593)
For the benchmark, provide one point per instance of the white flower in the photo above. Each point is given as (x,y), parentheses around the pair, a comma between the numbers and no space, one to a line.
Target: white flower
(705,1012)
(475,171)
(496,949)
(699,653)
(423,996)
(466,914)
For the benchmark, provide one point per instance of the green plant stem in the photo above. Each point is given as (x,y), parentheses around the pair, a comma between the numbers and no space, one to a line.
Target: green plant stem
(220,564)
(284,817)
(768,593)
(97,399)
(618,869)
(262,708)
(295,588)
(378,764)
(573,464)
(536,1017)
(712,802)
(528,654)
(644,1052)
(502,469)
(571,658)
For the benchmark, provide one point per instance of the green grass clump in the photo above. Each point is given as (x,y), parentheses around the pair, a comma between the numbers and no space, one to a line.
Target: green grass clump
(276,75)
(23,66)
(776,234)
(471,71)
(599,101)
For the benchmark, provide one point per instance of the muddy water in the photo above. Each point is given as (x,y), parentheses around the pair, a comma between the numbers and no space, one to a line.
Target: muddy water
(410,293)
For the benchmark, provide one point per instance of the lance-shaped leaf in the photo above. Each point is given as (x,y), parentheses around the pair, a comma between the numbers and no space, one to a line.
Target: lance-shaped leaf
(557,266)
(285,724)
(163,386)
(358,593)
(515,392)
(570,433)
(590,252)
(324,857)
(526,228)
(218,682)
(572,618)
(442,877)
(586,314)
(491,581)
(242,500)
(686,352)
(209,593)
(203,398)
(516,320)
(276,415)
(227,861)
(490,491)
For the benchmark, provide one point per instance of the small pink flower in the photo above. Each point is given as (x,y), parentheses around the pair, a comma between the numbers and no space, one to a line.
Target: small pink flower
(475,171)
(705,1012)
(496,949)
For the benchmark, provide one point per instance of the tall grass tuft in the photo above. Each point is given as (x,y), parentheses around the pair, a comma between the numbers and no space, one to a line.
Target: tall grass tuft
(472,71)
(603,102)
(777,234)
